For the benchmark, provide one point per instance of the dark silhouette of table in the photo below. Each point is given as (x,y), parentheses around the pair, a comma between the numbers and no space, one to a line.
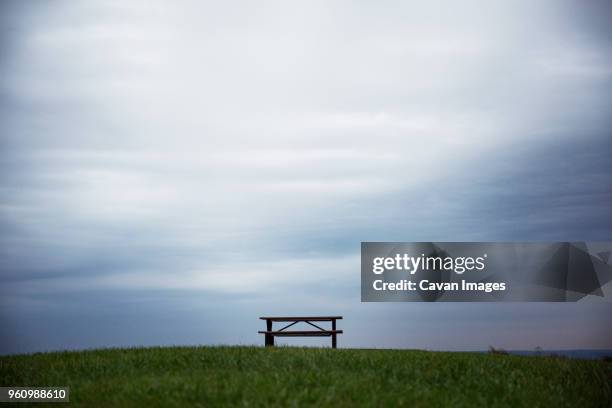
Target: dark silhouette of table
(320,332)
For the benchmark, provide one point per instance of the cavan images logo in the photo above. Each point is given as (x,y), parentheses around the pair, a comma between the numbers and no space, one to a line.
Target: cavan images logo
(483,271)
(433,262)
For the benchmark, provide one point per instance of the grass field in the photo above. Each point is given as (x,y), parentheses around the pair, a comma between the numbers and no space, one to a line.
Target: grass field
(254,376)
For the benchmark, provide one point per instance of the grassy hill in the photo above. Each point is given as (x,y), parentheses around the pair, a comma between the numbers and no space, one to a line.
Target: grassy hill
(208,376)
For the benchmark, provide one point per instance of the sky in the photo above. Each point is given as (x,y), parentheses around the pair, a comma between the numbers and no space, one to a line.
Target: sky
(171,171)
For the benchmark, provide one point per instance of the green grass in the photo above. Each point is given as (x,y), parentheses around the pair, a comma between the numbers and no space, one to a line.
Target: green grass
(291,376)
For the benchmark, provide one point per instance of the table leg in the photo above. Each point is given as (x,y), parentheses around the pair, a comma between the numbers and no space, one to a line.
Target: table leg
(269,337)
(334,335)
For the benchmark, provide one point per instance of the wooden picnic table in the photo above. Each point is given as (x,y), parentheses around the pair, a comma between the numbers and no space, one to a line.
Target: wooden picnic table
(320,332)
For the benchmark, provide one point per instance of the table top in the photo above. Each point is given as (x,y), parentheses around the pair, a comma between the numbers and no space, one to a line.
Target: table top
(301,318)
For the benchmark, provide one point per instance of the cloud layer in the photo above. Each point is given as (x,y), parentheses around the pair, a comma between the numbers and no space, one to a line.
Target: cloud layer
(244,150)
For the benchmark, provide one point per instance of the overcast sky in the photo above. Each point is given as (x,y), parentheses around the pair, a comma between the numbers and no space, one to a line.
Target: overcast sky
(171,171)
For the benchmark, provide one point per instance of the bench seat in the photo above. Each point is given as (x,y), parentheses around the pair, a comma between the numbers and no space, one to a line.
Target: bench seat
(301,333)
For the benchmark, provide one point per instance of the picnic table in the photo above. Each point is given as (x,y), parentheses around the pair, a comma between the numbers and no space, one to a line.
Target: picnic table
(320,332)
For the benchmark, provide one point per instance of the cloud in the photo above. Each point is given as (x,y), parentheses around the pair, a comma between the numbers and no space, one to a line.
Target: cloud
(248,149)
